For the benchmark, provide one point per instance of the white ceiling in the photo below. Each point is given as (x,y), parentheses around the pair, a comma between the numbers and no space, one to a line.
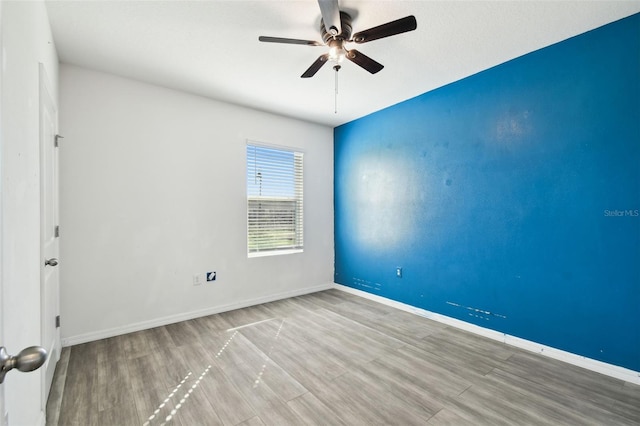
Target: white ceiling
(211,48)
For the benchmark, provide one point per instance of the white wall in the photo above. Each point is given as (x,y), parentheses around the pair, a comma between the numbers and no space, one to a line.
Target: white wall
(26,41)
(153,190)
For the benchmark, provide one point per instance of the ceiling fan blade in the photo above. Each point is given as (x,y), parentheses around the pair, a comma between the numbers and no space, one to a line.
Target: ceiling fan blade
(399,26)
(331,16)
(289,41)
(364,61)
(315,66)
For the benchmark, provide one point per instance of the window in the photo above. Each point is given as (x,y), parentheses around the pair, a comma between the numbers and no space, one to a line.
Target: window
(274,201)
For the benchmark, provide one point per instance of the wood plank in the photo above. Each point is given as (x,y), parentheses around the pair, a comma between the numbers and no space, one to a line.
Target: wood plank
(313,412)
(79,405)
(137,344)
(146,372)
(268,334)
(229,404)
(402,403)
(122,414)
(182,333)
(626,401)
(54,402)
(214,323)
(326,299)
(114,384)
(250,315)
(412,392)
(154,405)
(354,402)
(448,417)
(456,354)
(267,402)
(232,348)
(83,358)
(194,407)
(287,308)
(112,349)
(159,338)
(171,366)
(312,369)
(253,421)
(579,384)
(550,403)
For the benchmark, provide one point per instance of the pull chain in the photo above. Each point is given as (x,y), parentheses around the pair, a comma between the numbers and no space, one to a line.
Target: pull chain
(335,101)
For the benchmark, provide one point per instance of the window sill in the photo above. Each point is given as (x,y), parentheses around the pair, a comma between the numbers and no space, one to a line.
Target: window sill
(273,253)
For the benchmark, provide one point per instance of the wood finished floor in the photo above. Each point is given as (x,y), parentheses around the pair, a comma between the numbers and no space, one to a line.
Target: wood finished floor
(329,358)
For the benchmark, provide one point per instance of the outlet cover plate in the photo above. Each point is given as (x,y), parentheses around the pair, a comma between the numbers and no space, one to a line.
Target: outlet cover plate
(198,279)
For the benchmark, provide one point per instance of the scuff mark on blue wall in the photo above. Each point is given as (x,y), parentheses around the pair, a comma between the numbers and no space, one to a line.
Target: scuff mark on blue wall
(493,192)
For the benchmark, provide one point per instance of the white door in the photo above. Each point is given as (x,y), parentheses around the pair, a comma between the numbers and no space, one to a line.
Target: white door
(2,419)
(49,276)
(20,299)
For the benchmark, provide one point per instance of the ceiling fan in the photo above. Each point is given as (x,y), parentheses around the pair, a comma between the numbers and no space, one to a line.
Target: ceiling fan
(335,28)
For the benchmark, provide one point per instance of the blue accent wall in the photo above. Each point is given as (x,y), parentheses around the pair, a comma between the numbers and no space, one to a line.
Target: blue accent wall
(510,199)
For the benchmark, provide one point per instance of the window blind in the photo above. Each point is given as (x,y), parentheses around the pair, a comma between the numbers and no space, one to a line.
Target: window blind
(274,199)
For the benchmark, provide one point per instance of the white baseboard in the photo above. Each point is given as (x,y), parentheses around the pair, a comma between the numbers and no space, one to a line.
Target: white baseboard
(158,322)
(611,370)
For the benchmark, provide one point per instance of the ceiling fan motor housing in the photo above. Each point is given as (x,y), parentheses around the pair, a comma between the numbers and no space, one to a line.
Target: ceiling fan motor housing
(345,35)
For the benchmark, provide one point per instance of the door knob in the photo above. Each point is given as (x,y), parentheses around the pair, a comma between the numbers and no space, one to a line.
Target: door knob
(51,262)
(28,359)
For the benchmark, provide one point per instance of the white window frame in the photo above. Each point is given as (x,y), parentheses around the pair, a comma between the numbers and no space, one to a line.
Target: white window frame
(261,218)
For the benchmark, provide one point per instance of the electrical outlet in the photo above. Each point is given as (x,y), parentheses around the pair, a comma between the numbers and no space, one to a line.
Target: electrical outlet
(198,279)
(399,272)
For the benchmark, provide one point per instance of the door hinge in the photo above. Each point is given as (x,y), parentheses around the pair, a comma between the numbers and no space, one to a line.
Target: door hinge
(56,142)
(56,231)
(57,321)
